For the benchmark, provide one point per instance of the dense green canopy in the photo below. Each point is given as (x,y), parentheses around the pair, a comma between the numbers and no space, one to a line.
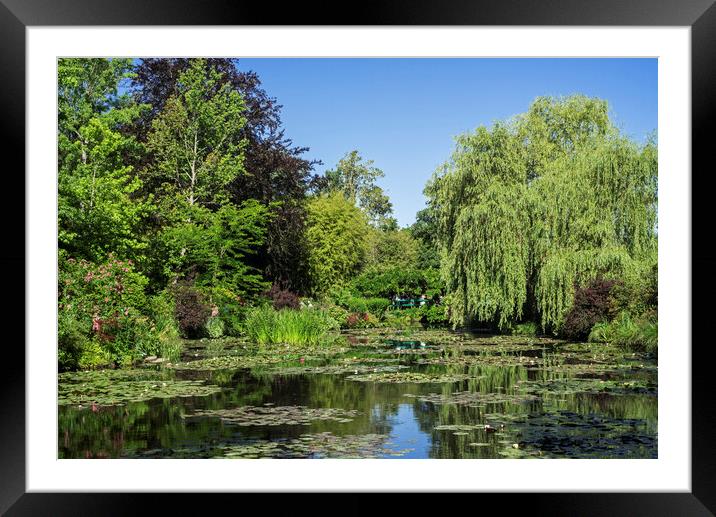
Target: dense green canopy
(529,208)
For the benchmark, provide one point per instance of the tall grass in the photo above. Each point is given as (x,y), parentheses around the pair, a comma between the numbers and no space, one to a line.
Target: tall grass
(171,349)
(307,327)
(636,335)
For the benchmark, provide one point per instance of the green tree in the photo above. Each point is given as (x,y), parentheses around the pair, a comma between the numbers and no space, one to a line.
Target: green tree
(278,171)
(196,154)
(213,247)
(356,178)
(424,230)
(98,207)
(529,208)
(336,232)
(391,248)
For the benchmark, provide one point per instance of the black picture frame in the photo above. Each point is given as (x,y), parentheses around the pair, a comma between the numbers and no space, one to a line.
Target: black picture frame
(700,15)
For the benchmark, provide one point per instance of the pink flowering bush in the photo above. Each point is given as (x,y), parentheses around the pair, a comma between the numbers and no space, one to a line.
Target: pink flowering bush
(100,310)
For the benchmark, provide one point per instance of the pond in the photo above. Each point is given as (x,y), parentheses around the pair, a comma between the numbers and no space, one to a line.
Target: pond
(372,394)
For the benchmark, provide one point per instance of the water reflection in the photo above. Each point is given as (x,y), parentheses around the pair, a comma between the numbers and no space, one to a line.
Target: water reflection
(537,407)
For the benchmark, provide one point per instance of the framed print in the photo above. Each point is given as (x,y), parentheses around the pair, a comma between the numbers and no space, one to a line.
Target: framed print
(400,255)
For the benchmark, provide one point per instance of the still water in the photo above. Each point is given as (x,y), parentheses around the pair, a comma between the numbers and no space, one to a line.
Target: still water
(374,394)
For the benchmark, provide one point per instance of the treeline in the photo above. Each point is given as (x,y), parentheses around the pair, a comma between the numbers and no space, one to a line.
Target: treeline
(551,218)
(184,211)
(182,203)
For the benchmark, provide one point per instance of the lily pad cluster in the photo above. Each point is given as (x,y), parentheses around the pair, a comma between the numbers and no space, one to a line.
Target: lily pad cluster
(337,369)
(228,362)
(475,398)
(110,392)
(484,359)
(321,445)
(318,445)
(573,385)
(559,434)
(409,377)
(279,415)
(120,374)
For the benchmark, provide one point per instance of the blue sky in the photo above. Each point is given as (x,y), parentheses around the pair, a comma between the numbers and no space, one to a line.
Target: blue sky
(404,113)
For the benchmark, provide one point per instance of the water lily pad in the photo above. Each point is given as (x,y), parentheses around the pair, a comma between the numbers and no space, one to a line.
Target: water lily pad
(110,392)
(409,377)
(276,415)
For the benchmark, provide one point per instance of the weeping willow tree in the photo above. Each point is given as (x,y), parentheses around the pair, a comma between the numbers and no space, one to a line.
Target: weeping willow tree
(533,207)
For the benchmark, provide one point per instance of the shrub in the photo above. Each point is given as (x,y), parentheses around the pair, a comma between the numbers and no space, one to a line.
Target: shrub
(214,327)
(190,311)
(434,315)
(361,320)
(283,298)
(636,294)
(93,355)
(265,325)
(377,305)
(391,282)
(171,349)
(372,305)
(337,313)
(635,335)
(162,307)
(339,296)
(528,328)
(134,337)
(76,346)
(100,290)
(402,318)
(99,313)
(591,305)
(234,316)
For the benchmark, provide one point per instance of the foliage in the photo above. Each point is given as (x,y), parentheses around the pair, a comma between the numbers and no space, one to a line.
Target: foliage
(635,335)
(191,310)
(355,179)
(361,320)
(98,210)
(171,349)
(214,327)
(427,315)
(233,315)
(591,305)
(161,306)
(278,172)
(529,208)
(336,233)
(434,315)
(267,326)
(375,306)
(193,139)
(637,293)
(387,283)
(283,298)
(391,249)
(213,247)
(424,230)
(527,328)
(76,348)
(337,313)
(99,313)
